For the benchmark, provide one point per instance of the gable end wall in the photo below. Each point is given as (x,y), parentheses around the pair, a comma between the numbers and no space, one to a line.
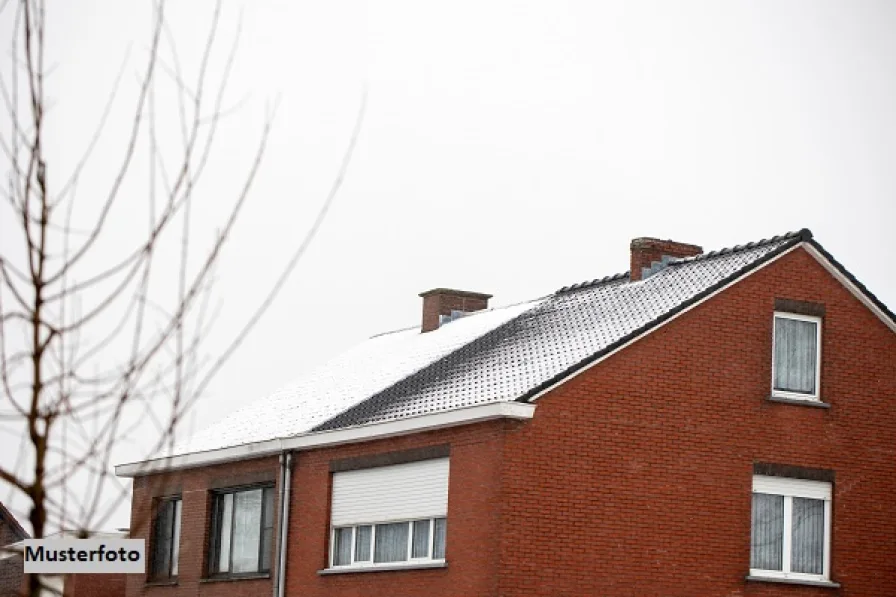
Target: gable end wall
(634,477)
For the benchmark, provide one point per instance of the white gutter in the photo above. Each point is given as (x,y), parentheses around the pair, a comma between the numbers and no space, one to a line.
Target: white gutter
(308,441)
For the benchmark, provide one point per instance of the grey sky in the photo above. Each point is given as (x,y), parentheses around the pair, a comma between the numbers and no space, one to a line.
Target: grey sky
(509,147)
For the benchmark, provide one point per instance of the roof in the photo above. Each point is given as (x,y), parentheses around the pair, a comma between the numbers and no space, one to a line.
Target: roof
(350,378)
(511,354)
(7,517)
(578,322)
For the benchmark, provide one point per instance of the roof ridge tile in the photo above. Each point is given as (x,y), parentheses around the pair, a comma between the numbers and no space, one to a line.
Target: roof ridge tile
(593,283)
(804,234)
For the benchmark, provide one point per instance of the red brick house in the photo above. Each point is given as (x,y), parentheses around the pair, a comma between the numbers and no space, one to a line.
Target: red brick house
(705,424)
(11,575)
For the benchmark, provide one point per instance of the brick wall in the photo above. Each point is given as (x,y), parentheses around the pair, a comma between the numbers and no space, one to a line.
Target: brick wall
(94,585)
(11,576)
(193,486)
(473,522)
(634,478)
(8,534)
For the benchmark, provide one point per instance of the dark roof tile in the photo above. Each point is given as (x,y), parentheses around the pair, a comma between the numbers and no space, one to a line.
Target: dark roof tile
(567,330)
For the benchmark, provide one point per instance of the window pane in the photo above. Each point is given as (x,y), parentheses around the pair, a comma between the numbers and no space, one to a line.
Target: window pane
(420,546)
(266,536)
(766,543)
(268,514)
(161,557)
(438,547)
(246,530)
(807,549)
(175,539)
(267,530)
(391,542)
(795,355)
(342,550)
(226,510)
(362,543)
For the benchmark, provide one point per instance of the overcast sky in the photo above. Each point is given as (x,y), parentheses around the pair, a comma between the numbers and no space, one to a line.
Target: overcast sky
(508,147)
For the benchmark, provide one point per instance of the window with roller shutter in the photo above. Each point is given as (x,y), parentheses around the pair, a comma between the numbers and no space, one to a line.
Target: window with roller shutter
(390,515)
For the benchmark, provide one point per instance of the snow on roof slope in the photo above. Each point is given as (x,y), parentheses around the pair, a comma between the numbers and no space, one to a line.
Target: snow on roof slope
(350,378)
(565,329)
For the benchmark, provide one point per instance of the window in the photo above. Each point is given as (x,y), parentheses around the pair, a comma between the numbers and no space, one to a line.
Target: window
(166,539)
(791,530)
(389,543)
(242,530)
(796,365)
(390,515)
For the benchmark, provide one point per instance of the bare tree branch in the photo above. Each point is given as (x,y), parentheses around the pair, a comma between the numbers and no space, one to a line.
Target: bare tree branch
(90,347)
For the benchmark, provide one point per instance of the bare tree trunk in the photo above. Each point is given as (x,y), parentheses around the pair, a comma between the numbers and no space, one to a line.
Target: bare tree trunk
(62,389)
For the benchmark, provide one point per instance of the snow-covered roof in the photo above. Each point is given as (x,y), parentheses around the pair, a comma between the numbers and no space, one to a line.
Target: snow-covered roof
(501,355)
(577,323)
(350,378)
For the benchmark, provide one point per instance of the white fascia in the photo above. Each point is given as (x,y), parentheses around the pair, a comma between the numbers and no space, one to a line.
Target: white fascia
(853,289)
(320,439)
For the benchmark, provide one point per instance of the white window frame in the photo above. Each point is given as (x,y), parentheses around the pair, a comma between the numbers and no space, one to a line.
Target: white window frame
(789,489)
(798,395)
(409,561)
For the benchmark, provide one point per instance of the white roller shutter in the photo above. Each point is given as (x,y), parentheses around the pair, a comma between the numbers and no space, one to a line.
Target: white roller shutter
(397,492)
(818,490)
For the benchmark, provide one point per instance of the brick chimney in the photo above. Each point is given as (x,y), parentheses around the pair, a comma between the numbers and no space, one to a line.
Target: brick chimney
(646,251)
(445,301)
